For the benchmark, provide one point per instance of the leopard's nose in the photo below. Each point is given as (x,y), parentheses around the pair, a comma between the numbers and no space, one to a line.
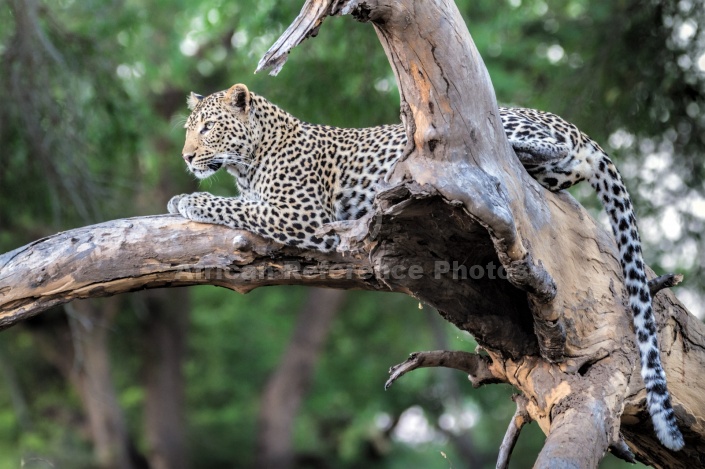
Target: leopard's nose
(188,157)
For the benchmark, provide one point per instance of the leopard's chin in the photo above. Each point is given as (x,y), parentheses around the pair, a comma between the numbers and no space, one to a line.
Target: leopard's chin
(209,170)
(203,173)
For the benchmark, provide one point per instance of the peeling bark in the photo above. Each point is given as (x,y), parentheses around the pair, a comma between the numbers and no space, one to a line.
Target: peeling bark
(581,382)
(161,251)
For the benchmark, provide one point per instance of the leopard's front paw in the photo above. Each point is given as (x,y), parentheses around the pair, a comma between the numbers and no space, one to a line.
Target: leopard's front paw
(173,204)
(196,206)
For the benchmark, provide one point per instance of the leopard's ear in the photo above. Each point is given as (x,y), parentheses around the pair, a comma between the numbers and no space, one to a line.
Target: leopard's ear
(192,100)
(239,97)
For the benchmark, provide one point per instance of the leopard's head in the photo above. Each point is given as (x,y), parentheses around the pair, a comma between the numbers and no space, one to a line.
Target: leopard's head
(220,132)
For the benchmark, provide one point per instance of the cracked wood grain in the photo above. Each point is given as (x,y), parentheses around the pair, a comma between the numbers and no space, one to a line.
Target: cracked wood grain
(566,263)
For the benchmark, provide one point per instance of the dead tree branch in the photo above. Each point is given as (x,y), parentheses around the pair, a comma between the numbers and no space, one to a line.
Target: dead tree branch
(664,281)
(163,251)
(476,366)
(521,417)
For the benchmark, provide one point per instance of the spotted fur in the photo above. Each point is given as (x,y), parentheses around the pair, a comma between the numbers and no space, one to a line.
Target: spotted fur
(558,155)
(294,177)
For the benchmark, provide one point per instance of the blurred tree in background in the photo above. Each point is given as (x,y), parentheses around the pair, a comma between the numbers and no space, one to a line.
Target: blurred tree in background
(93,95)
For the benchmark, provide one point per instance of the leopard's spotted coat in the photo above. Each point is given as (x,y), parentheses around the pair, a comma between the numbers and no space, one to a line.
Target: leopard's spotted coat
(294,177)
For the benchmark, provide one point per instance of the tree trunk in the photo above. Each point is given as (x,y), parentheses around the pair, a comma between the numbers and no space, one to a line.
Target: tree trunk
(291,380)
(458,207)
(163,353)
(457,150)
(79,350)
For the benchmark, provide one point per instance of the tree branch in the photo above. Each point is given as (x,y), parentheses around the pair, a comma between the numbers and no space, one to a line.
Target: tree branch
(160,251)
(566,263)
(520,418)
(304,26)
(476,366)
(664,281)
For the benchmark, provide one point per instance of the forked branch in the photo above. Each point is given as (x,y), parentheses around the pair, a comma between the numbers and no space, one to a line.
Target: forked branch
(565,262)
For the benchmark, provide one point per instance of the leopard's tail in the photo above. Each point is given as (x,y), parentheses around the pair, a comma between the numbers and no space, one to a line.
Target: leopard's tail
(608,184)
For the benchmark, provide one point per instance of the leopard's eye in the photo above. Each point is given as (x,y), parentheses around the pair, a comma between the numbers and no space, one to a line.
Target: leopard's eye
(207,126)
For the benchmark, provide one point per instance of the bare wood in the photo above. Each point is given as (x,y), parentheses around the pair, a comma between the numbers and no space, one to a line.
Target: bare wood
(520,418)
(664,281)
(476,366)
(304,26)
(457,150)
(160,251)
(621,450)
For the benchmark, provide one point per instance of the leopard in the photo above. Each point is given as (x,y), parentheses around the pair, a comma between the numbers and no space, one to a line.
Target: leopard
(294,178)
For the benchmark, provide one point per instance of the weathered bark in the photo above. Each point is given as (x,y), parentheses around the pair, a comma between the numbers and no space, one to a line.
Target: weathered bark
(292,378)
(161,251)
(458,150)
(555,326)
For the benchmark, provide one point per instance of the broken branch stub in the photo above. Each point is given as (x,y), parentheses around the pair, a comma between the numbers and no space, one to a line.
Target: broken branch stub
(521,417)
(476,366)
(304,26)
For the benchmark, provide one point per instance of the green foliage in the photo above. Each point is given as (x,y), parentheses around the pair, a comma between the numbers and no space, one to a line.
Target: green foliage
(90,125)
